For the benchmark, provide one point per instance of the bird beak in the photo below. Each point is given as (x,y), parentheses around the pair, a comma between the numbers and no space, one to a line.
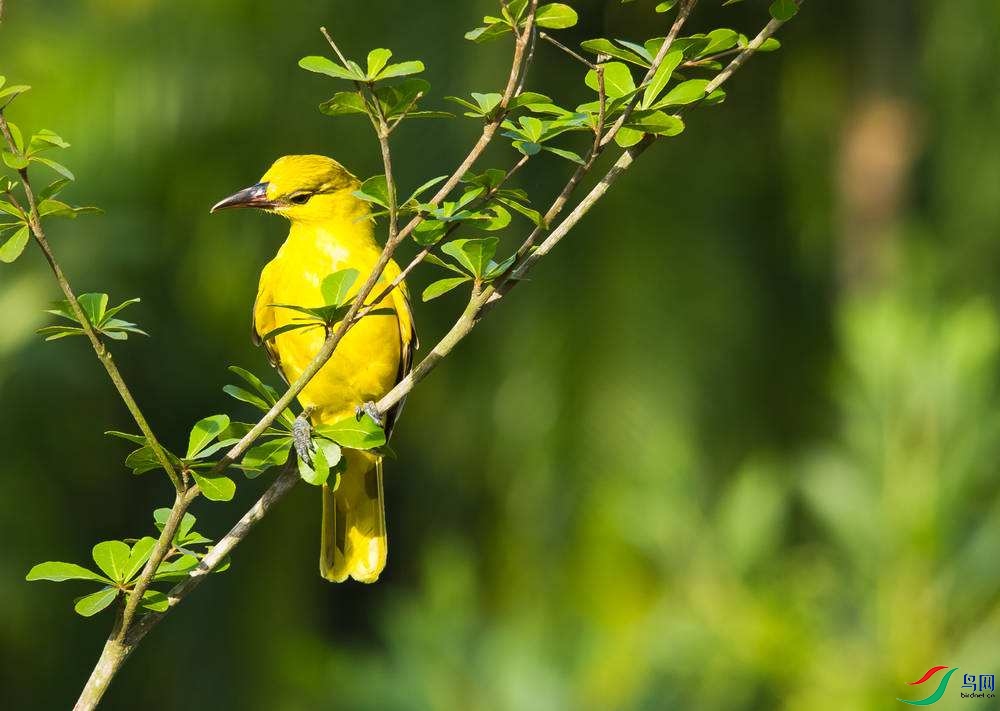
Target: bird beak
(254,196)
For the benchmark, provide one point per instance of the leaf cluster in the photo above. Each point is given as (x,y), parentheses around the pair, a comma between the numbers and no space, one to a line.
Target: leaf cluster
(119,564)
(101,318)
(14,227)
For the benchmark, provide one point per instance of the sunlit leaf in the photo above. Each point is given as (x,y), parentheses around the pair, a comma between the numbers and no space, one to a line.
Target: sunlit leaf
(90,605)
(58,572)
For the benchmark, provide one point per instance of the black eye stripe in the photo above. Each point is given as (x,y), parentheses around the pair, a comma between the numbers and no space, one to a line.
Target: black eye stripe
(303,196)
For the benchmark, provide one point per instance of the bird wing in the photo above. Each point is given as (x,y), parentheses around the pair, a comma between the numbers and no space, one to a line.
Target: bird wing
(409,342)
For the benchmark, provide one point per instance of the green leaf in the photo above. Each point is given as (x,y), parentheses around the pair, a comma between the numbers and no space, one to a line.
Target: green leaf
(14,161)
(402,97)
(498,269)
(568,155)
(488,33)
(54,333)
(14,246)
(57,167)
(46,139)
(354,433)
(58,572)
(344,103)
(665,6)
(322,65)
(90,605)
(274,333)
(781,10)
(15,133)
(429,232)
(533,215)
(138,556)
(377,59)
(263,389)
(160,517)
(335,287)
(12,92)
(176,569)
(627,137)
(684,93)
(204,432)
(661,78)
(215,488)
(374,190)
(605,46)
(114,310)
(720,40)
(13,211)
(443,286)
(141,460)
(266,455)
(555,16)
(94,306)
(214,448)
(473,254)
(402,69)
(112,558)
(528,148)
(533,128)
(187,523)
(155,601)
(657,122)
(618,81)
(326,456)
(528,98)
(437,261)
(242,395)
(137,439)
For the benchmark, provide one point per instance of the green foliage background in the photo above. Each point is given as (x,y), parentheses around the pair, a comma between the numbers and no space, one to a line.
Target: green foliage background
(733,448)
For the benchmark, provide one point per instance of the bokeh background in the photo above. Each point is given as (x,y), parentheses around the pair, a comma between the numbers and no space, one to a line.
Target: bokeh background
(734,447)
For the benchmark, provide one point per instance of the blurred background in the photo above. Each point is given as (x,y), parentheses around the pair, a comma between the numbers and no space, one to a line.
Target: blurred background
(734,447)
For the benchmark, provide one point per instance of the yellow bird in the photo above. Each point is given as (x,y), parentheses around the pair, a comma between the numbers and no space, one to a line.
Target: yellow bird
(332,230)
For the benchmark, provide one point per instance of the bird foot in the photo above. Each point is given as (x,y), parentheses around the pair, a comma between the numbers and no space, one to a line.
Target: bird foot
(302,437)
(371,409)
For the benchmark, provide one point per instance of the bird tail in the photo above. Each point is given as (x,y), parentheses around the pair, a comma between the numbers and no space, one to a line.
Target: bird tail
(354,542)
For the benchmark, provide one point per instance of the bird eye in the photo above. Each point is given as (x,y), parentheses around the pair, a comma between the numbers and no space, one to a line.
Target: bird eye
(300,198)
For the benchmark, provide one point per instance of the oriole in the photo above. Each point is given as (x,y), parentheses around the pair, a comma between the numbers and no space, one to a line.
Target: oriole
(331,230)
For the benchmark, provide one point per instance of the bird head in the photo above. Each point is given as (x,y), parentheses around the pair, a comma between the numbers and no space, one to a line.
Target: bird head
(303,189)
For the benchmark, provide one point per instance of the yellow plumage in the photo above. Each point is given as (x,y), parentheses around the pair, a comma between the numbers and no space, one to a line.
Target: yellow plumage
(331,230)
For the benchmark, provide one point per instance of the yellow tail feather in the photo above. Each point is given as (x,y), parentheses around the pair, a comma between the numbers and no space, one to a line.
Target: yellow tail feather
(354,541)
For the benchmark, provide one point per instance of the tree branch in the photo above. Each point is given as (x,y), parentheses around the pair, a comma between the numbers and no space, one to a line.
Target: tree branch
(103,354)
(519,66)
(683,13)
(480,304)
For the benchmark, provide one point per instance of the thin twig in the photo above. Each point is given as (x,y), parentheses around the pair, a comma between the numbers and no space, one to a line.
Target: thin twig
(691,63)
(518,66)
(683,12)
(582,170)
(103,354)
(340,55)
(559,45)
(481,304)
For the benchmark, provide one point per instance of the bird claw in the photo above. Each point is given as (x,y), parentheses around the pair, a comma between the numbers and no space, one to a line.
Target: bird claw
(302,437)
(369,408)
